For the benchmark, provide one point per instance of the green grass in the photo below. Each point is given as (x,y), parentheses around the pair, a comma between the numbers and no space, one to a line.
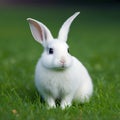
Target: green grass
(94,39)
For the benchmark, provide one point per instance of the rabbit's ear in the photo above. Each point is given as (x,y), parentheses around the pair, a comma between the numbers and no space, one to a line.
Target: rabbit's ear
(63,33)
(39,31)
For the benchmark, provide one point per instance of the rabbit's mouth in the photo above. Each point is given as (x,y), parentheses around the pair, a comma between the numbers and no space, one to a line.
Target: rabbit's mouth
(61,67)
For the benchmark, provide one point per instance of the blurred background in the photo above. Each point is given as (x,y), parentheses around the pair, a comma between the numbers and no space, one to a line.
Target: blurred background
(54,2)
(94,39)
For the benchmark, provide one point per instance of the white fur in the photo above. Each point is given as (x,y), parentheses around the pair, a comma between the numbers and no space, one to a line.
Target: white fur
(59,75)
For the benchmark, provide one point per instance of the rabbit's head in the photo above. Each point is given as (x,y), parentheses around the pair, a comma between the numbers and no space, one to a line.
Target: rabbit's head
(56,51)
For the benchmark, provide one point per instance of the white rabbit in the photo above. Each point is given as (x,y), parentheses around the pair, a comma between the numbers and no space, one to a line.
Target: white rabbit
(58,74)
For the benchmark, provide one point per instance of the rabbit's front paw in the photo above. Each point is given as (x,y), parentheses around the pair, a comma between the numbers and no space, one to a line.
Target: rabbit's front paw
(51,103)
(66,102)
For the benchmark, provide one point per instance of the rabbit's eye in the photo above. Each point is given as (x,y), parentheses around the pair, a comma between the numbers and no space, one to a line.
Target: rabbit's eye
(50,50)
(68,50)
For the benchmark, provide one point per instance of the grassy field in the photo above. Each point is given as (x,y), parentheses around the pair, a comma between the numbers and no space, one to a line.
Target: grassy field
(94,39)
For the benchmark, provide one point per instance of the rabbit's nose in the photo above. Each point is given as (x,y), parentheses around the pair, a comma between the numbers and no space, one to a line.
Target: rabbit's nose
(62,60)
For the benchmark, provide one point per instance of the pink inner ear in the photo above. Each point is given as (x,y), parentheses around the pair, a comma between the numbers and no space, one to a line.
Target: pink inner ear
(39,29)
